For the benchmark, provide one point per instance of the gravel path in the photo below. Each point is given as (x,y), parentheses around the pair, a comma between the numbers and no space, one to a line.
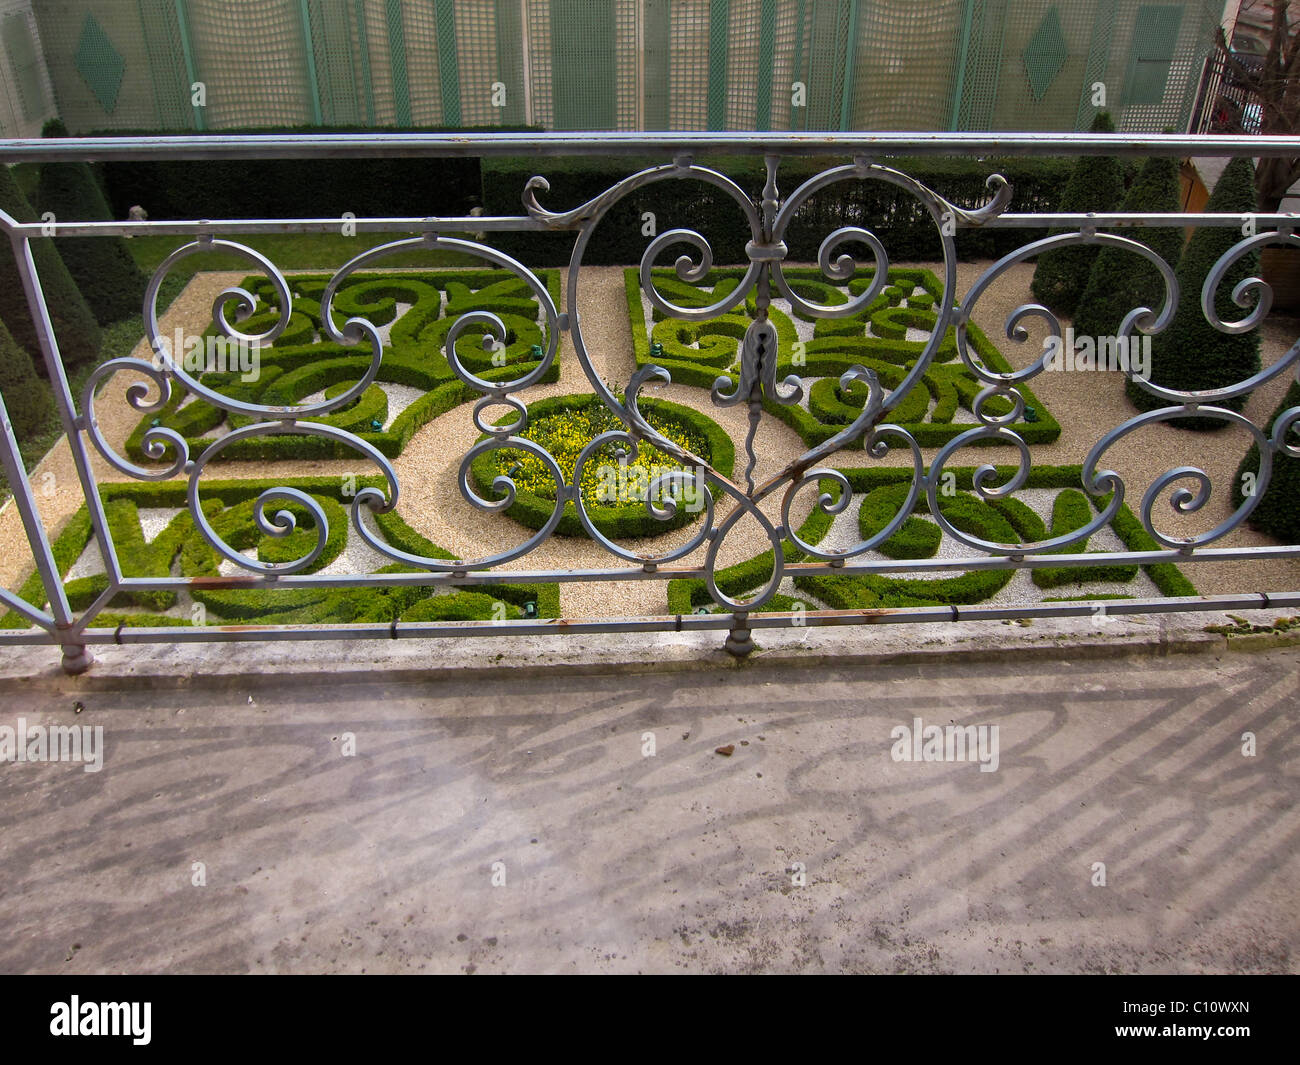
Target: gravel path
(1084,404)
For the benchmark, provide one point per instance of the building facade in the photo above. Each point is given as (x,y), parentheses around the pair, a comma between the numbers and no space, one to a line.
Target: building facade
(612,64)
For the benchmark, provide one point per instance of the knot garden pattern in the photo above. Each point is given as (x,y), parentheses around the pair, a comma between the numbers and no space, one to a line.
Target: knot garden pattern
(500,410)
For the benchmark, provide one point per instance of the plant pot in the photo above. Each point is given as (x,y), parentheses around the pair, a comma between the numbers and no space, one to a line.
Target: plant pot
(1281,269)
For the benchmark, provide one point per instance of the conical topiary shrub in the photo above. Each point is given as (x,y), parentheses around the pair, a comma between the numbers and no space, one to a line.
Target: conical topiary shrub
(1191,355)
(1278,512)
(74,326)
(102,267)
(26,396)
(1122,280)
(1096,184)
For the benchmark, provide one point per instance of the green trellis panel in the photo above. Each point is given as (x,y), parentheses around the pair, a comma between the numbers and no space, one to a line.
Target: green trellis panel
(719,19)
(100,63)
(583,65)
(336,57)
(25,64)
(1046,54)
(766,58)
(309,54)
(619,64)
(363,47)
(983,28)
(827,61)
(1155,37)
(799,67)
(163,39)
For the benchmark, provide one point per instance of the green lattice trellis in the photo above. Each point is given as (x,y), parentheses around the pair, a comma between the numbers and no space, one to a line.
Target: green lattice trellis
(627,64)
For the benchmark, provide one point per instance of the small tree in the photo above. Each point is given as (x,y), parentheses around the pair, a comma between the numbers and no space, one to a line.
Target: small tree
(1121,280)
(26,396)
(74,326)
(1191,355)
(102,267)
(1095,185)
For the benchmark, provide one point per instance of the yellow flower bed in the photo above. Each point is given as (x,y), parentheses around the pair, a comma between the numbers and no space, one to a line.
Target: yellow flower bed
(606,480)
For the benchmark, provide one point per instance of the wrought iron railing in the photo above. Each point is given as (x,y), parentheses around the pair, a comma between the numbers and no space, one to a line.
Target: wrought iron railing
(999,406)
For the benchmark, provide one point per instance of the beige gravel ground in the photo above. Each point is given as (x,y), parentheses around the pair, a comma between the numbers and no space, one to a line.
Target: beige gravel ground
(1086,405)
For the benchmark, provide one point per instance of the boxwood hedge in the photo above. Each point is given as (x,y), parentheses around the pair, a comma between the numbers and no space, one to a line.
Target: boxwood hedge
(616,522)
(1191,354)
(1095,184)
(103,267)
(1278,510)
(228,506)
(296,367)
(837,344)
(1003,520)
(75,327)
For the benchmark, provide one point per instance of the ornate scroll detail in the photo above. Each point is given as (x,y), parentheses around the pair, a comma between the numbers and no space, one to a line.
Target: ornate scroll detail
(757,380)
(757,384)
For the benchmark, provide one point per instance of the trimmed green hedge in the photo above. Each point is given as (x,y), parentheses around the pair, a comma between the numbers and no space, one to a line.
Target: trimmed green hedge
(837,345)
(1278,511)
(1121,281)
(66,549)
(26,397)
(103,268)
(1096,184)
(75,327)
(218,188)
(1002,520)
(1070,512)
(1191,355)
(228,506)
(615,522)
(291,370)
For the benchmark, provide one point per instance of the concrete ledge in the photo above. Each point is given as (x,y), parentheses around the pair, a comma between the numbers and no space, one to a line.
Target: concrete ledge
(218,665)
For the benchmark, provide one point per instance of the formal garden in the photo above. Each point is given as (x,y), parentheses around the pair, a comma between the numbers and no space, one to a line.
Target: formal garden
(156,535)
(415,390)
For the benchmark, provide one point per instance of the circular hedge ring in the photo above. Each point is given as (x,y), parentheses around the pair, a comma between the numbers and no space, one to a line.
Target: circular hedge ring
(549,426)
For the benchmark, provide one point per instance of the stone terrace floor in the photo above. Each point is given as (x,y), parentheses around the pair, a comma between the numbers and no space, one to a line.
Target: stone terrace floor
(807,849)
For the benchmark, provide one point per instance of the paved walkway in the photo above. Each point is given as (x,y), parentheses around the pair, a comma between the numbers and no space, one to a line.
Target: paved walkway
(809,849)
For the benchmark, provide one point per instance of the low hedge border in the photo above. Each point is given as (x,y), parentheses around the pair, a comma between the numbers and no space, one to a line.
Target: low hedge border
(856,592)
(617,523)
(833,350)
(291,370)
(224,503)
(1276,513)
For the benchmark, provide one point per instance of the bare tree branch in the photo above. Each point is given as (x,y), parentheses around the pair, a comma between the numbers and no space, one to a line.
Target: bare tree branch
(1275,85)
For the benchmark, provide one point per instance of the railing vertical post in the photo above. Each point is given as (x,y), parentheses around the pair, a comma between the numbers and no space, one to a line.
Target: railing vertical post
(76,656)
(739,641)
